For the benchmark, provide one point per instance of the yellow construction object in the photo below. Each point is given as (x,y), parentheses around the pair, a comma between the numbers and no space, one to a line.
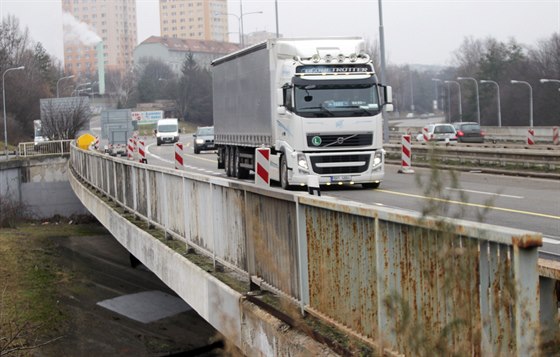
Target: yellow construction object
(85,140)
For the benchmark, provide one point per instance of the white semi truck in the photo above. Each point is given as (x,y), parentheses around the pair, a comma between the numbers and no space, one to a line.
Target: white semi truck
(316,103)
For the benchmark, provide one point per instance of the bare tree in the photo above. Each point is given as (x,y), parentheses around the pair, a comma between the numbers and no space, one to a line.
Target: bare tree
(64,118)
(121,87)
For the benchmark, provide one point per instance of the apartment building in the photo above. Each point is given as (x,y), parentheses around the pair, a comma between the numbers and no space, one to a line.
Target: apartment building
(194,19)
(113,21)
(173,51)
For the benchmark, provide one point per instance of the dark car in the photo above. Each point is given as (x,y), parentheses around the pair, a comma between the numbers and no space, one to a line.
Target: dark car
(469,132)
(204,139)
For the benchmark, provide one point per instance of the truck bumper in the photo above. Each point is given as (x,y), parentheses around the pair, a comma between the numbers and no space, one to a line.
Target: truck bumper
(340,168)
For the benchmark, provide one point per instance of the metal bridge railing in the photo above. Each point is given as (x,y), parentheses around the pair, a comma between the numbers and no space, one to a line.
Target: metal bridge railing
(44,148)
(387,276)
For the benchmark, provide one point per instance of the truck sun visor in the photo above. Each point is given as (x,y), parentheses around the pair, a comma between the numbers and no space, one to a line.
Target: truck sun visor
(302,81)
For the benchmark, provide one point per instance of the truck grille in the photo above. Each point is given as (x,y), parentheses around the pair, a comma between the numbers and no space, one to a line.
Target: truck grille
(349,164)
(339,140)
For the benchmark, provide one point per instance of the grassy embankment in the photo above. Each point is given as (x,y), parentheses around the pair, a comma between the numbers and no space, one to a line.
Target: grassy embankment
(29,281)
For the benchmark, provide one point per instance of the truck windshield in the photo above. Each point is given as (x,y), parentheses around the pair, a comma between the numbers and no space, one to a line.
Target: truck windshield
(167,128)
(336,100)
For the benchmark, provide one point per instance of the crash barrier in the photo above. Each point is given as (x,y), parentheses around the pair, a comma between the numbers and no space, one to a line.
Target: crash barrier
(544,162)
(381,274)
(530,137)
(406,154)
(44,148)
(506,134)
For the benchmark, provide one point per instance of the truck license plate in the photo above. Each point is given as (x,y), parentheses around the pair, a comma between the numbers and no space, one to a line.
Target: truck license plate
(341,178)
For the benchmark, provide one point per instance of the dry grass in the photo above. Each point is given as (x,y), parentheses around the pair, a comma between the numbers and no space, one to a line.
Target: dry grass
(29,312)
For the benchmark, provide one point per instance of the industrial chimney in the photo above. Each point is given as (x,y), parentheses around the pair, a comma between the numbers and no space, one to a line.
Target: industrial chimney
(101,68)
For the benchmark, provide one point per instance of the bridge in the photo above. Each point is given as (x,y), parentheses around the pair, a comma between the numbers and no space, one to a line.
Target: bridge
(287,273)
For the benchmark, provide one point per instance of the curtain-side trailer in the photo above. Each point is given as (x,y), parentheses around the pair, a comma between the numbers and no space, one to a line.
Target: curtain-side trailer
(316,103)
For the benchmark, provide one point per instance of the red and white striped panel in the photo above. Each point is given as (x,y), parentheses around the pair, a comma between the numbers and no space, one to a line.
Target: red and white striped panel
(530,137)
(425,134)
(142,151)
(262,167)
(406,162)
(130,149)
(555,136)
(406,152)
(179,156)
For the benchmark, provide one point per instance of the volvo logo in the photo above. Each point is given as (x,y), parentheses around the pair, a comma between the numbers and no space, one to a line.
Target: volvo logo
(340,140)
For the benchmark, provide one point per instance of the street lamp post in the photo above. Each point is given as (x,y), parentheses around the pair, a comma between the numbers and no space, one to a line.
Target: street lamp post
(80,85)
(530,99)
(436,80)
(460,105)
(477,98)
(382,72)
(499,106)
(4,106)
(546,80)
(240,23)
(67,77)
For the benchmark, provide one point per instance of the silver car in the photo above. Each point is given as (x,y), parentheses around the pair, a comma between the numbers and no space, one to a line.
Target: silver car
(442,133)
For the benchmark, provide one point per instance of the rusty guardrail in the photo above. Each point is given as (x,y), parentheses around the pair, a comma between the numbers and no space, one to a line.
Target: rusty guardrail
(44,148)
(391,278)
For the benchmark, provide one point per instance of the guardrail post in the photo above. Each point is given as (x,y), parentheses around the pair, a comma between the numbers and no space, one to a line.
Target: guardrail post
(303,261)
(525,267)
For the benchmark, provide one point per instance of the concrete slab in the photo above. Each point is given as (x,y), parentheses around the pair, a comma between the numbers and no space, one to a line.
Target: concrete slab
(147,306)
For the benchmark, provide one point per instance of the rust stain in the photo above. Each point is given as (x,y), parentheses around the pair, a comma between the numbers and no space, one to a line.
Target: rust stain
(527,241)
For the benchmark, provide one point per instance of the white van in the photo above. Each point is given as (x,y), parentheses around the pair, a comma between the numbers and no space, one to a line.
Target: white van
(167,131)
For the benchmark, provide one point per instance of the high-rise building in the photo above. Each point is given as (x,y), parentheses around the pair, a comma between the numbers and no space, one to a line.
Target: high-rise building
(194,19)
(112,21)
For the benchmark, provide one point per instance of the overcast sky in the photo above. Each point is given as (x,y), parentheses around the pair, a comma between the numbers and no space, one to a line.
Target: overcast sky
(416,31)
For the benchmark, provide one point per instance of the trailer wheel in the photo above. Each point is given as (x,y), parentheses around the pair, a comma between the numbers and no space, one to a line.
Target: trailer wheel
(227,163)
(221,158)
(241,172)
(284,173)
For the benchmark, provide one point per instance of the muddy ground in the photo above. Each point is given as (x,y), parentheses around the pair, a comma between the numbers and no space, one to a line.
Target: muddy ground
(52,277)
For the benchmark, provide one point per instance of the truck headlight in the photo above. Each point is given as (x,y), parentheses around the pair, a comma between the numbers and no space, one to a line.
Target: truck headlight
(302,162)
(200,141)
(377,159)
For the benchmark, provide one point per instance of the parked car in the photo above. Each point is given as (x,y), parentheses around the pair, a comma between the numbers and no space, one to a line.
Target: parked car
(204,139)
(469,132)
(439,133)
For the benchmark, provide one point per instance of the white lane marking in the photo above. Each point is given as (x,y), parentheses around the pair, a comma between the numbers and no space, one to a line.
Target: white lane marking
(483,193)
(154,155)
(551,240)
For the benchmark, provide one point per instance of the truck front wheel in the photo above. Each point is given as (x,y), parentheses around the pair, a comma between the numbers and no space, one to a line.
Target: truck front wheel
(284,173)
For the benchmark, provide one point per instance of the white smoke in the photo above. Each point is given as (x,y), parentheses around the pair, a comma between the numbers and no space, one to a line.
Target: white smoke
(76,31)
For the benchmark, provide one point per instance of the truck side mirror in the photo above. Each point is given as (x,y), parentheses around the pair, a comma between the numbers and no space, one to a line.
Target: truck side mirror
(281,110)
(388,94)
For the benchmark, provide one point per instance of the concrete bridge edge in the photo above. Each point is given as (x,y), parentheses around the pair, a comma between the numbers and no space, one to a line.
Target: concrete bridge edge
(252,330)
